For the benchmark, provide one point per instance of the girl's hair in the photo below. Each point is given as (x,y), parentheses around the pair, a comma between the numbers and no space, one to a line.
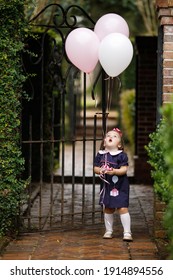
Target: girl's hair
(102,147)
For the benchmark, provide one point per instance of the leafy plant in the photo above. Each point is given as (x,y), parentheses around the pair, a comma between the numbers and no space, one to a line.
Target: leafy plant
(167,138)
(12,187)
(156,152)
(127,102)
(161,159)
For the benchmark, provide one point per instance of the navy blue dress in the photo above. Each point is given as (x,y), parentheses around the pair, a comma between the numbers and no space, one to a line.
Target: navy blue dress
(116,193)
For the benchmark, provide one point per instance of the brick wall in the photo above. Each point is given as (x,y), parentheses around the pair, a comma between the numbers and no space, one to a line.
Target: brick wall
(159,210)
(160,233)
(146,97)
(165,16)
(168,62)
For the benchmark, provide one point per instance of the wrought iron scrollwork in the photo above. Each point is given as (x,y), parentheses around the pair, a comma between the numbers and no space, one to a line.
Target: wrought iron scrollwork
(62,22)
(62,16)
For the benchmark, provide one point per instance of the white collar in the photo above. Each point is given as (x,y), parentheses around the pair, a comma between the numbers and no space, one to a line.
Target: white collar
(102,152)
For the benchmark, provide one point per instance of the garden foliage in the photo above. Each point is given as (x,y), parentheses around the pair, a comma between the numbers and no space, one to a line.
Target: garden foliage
(127,103)
(11,90)
(156,152)
(161,159)
(167,138)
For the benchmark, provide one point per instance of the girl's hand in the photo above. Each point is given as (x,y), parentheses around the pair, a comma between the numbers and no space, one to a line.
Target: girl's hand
(111,171)
(105,169)
(118,172)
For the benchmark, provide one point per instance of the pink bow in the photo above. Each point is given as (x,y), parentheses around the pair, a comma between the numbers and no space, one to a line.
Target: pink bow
(118,130)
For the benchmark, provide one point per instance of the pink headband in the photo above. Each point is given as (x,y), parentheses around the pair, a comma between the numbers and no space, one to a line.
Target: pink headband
(118,130)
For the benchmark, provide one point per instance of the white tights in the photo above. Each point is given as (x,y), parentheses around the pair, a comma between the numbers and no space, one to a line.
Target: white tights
(125,220)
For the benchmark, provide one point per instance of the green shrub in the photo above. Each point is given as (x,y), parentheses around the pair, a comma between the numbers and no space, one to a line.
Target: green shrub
(167,139)
(161,159)
(156,152)
(127,104)
(12,25)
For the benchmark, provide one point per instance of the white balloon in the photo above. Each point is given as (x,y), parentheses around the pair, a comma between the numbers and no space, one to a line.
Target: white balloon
(115,53)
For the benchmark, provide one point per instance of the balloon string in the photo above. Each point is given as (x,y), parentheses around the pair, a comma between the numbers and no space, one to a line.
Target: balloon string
(108,95)
(119,86)
(109,99)
(96,101)
(110,90)
(107,78)
(90,80)
(105,115)
(90,84)
(111,82)
(106,123)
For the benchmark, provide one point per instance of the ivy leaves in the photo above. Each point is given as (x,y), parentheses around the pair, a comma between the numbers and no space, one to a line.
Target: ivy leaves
(12,187)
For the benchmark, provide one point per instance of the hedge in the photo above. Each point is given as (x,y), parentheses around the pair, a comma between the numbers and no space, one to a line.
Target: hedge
(161,159)
(156,152)
(167,139)
(13,29)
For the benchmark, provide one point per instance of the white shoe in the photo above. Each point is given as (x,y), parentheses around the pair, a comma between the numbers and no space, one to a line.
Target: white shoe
(107,235)
(127,237)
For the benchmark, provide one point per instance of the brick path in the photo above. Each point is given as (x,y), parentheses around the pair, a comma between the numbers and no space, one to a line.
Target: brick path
(87,243)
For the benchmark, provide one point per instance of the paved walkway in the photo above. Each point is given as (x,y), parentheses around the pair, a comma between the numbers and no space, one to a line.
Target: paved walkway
(87,243)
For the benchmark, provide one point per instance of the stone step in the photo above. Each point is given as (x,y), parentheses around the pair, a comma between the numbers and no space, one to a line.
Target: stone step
(89,129)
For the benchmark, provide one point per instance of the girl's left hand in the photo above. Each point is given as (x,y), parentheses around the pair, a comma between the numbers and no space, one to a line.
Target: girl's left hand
(105,168)
(118,172)
(110,171)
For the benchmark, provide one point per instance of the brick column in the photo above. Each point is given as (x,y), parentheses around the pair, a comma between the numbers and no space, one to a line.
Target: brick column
(165,16)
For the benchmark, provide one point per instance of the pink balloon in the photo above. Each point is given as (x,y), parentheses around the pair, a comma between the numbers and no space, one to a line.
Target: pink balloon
(82,49)
(111,23)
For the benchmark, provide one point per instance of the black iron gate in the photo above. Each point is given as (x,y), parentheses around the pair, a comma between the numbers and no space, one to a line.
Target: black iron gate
(62,126)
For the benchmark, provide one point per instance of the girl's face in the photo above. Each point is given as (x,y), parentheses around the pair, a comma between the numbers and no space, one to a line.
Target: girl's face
(112,140)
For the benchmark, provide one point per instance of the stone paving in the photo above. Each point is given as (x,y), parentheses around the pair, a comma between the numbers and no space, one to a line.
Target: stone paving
(86,243)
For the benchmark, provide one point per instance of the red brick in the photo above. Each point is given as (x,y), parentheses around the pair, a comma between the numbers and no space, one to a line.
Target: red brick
(167,97)
(160,233)
(168,38)
(163,12)
(159,215)
(159,205)
(166,20)
(168,46)
(168,64)
(170,3)
(167,72)
(168,55)
(168,81)
(168,29)
(164,3)
(168,89)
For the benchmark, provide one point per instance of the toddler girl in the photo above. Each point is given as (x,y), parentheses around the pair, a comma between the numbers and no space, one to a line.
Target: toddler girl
(111,163)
